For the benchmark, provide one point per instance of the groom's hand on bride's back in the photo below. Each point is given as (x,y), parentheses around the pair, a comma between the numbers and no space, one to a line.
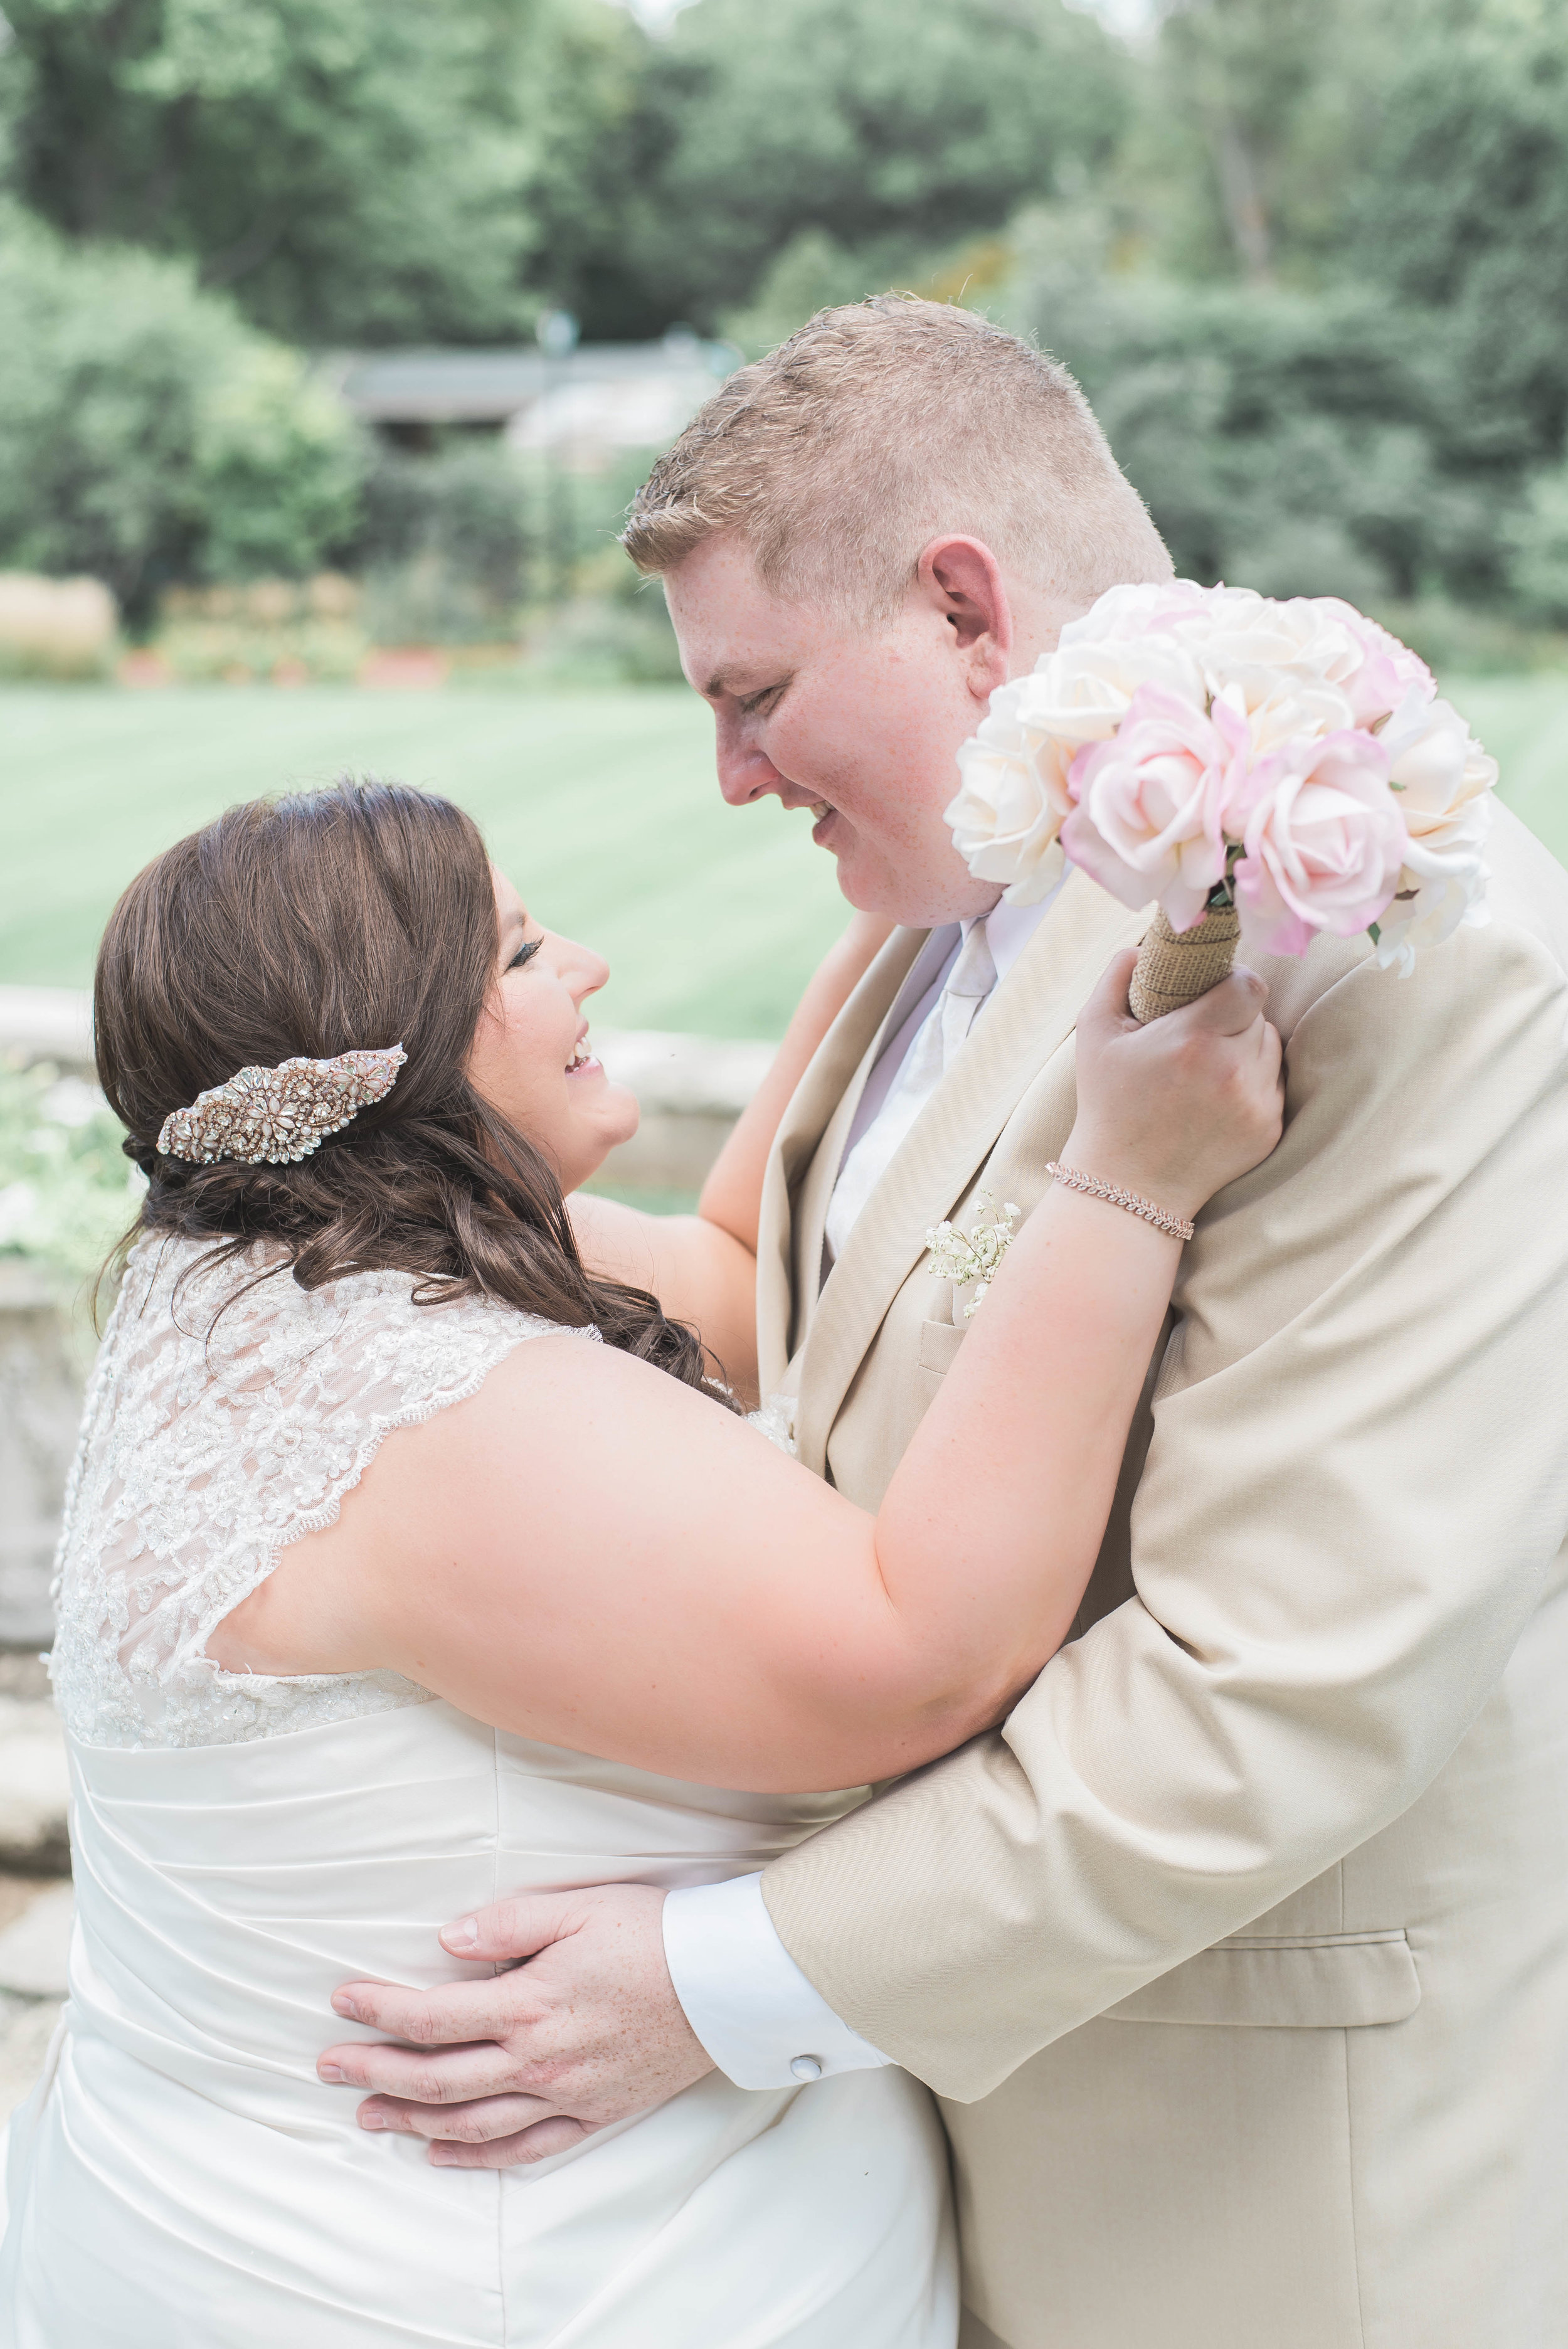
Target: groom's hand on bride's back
(525,2064)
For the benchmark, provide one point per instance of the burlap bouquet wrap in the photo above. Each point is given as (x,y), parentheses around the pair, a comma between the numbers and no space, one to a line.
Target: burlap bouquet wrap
(1175,967)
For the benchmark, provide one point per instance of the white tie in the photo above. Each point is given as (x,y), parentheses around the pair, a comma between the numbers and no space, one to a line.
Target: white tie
(970,981)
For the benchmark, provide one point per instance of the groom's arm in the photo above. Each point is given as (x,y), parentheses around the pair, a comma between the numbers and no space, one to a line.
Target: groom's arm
(1358,1482)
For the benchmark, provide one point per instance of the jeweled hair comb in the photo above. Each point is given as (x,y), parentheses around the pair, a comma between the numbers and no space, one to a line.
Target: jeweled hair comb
(271,1116)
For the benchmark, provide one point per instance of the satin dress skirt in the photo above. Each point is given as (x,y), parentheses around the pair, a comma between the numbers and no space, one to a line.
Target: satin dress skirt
(180,2180)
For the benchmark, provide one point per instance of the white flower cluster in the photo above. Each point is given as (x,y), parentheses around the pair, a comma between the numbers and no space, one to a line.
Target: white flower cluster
(974,1257)
(1183,739)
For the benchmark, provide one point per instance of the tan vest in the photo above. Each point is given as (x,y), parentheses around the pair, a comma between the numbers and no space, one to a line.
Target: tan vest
(1239,1956)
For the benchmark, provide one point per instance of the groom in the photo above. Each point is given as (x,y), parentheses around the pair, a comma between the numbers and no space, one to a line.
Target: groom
(1239,1955)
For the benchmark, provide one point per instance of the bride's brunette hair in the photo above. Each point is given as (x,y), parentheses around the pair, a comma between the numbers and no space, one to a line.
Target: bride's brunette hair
(358,916)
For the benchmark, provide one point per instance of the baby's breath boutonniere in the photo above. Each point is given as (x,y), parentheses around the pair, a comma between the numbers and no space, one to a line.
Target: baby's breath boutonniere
(975,1258)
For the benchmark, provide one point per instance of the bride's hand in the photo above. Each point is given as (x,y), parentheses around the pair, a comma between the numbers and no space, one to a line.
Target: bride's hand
(1176,1109)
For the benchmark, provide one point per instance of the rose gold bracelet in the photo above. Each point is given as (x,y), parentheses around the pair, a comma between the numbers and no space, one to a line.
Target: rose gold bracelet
(1176,1227)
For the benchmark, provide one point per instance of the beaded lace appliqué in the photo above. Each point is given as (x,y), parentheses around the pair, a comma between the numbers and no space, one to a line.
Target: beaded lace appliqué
(202,1458)
(279,1114)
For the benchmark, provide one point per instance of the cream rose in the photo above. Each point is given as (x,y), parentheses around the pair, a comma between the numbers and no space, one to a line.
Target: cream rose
(1442,888)
(1300,639)
(1080,693)
(1445,782)
(1012,797)
(1282,708)
(1434,763)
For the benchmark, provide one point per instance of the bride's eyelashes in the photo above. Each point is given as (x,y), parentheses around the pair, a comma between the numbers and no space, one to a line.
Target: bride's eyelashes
(525,953)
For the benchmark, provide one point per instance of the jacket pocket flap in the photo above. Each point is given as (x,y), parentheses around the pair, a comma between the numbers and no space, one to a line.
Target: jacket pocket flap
(1326,1982)
(939,1344)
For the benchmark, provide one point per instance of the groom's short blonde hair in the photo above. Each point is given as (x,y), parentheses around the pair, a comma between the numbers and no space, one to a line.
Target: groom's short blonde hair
(880,426)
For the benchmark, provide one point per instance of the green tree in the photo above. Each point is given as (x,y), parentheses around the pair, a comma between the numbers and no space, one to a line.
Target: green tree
(890,127)
(1464,210)
(1537,540)
(1241,82)
(594,146)
(1259,124)
(354,171)
(1296,443)
(148,435)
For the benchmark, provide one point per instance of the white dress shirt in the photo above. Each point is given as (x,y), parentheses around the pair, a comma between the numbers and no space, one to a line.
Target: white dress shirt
(762,2022)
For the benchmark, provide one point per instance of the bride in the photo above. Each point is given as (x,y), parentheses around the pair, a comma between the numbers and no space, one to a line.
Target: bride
(411,1556)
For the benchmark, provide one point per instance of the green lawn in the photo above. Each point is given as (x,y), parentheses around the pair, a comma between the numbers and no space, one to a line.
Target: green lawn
(601,805)
(1523,722)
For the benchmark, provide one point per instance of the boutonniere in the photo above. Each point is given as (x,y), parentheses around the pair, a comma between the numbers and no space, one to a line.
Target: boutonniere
(974,1258)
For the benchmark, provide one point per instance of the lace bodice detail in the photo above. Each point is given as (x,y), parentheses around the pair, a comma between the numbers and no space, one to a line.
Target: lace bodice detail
(202,1456)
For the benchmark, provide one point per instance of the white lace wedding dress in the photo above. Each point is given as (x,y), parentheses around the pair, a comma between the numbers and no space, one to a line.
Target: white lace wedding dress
(180,2180)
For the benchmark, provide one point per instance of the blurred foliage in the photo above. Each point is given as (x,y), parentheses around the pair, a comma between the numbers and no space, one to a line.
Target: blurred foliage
(1458,640)
(1309,258)
(373,173)
(1252,122)
(445,543)
(56,628)
(1300,445)
(148,434)
(243,652)
(814,272)
(353,169)
(887,125)
(479,543)
(67,1191)
(1537,540)
(1316,295)
(1463,210)
(612,629)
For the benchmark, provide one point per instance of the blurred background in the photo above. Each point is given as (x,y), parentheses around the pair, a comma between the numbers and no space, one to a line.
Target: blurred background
(335,336)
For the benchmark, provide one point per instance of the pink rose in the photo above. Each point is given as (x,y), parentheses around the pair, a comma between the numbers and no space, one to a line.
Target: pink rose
(1434,763)
(1153,803)
(1325,841)
(1388,670)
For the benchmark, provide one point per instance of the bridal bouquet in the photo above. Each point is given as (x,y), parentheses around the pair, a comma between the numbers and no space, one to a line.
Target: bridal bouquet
(1261,769)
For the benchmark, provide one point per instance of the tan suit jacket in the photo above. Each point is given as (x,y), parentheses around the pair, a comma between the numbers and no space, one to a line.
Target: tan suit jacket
(1238,1954)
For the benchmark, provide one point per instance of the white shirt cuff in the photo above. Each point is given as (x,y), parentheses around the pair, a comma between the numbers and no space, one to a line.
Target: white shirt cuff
(765,2025)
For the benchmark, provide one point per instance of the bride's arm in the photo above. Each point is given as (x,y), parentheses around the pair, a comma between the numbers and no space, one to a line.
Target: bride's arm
(633,1572)
(732,1195)
(703,1267)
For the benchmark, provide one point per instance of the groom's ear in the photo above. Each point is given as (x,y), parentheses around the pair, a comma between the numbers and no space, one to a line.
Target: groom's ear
(963,578)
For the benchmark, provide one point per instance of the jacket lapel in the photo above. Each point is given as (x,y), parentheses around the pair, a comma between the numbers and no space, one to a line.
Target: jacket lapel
(1030,1015)
(798,1180)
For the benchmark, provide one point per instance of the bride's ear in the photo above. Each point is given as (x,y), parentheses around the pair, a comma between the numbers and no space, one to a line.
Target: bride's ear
(964,579)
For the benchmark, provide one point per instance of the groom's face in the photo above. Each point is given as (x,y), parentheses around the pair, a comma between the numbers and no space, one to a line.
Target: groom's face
(861,727)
